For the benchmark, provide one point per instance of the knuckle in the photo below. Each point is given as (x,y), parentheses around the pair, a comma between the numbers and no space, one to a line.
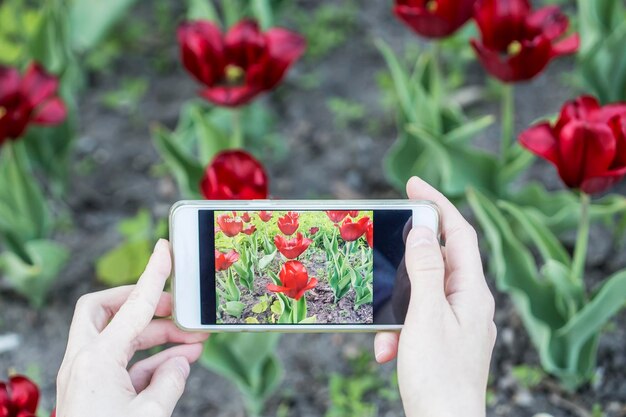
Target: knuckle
(83,302)
(140,305)
(493,332)
(177,381)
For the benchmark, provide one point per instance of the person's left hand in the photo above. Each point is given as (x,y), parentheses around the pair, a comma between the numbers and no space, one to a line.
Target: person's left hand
(107,329)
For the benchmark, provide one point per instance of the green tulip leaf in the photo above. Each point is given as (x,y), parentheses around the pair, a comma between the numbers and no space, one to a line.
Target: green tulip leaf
(34,280)
(124,264)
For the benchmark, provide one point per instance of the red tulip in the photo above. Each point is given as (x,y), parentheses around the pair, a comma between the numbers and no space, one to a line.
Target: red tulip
(246,217)
(336,216)
(239,65)
(249,230)
(234,175)
(350,231)
(19,397)
(265,216)
(369,233)
(353,213)
(229,225)
(434,18)
(31,98)
(516,42)
(223,261)
(292,248)
(294,279)
(313,230)
(587,144)
(288,224)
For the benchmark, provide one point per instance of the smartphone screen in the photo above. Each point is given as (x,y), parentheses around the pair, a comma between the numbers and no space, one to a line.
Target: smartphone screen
(332,267)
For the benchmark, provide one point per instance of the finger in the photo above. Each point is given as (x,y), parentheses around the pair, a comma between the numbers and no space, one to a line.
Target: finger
(459,236)
(386,346)
(93,312)
(141,373)
(159,332)
(425,267)
(166,387)
(139,308)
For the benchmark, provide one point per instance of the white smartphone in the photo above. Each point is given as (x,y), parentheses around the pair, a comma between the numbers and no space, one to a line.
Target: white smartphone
(307,266)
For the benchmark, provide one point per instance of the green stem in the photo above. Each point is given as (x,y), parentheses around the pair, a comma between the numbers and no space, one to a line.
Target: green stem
(582,240)
(294,311)
(436,84)
(508,120)
(237,138)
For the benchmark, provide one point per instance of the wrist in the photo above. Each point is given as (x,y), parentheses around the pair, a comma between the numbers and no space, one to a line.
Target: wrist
(453,406)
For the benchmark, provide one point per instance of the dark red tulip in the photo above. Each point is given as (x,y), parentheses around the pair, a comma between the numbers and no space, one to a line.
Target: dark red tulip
(336,216)
(292,248)
(239,65)
(516,42)
(434,18)
(18,397)
(31,98)
(245,217)
(350,231)
(294,279)
(234,175)
(249,230)
(229,225)
(369,233)
(587,144)
(265,216)
(223,261)
(313,230)
(288,224)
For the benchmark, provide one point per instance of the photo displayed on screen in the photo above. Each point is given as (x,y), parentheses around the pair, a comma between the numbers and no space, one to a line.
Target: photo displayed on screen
(336,267)
(294,267)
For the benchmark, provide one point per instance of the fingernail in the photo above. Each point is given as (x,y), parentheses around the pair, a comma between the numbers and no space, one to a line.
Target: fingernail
(380,354)
(421,236)
(161,244)
(182,365)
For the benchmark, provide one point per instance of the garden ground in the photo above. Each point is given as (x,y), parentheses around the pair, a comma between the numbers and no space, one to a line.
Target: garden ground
(115,175)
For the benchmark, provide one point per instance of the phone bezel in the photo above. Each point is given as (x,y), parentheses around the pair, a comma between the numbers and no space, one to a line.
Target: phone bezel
(184,240)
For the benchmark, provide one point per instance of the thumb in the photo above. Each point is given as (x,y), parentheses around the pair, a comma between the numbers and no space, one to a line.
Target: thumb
(425,267)
(165,389)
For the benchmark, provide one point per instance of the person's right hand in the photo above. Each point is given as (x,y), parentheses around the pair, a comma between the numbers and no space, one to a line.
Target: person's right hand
(445,345)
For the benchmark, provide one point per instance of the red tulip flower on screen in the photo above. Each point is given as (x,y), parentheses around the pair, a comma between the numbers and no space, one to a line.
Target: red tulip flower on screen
(229,225)
(234,175)
(313,230)
(292,248)
(587,144)
(369,234)
(265,216)
(516,42)
(237,66)
(31,98)
(351,231)
(19,397)
(249,230)
(246,217)
(288,224)
(294,279)
(336,216)
(223,261)
(434,18)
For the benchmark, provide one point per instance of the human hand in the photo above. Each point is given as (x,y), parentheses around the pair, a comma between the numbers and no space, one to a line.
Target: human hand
(107,329)
(445,345)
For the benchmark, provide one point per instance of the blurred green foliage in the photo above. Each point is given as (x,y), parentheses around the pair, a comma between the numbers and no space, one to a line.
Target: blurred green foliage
(124,264)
